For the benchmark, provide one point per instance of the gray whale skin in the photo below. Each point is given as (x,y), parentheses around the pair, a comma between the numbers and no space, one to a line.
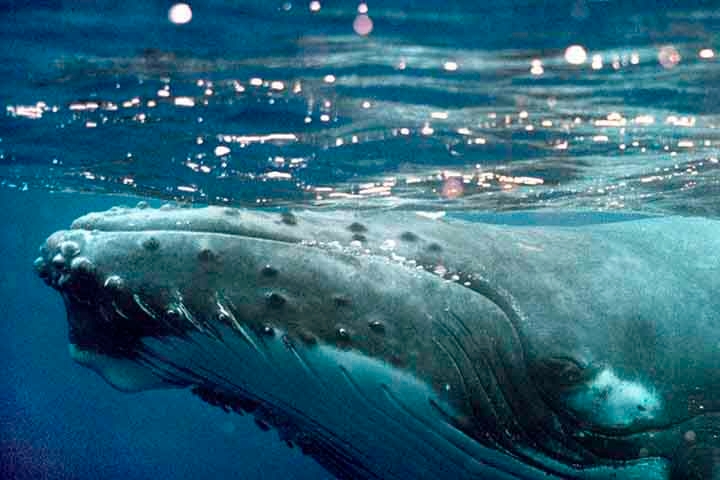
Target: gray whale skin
(398,345)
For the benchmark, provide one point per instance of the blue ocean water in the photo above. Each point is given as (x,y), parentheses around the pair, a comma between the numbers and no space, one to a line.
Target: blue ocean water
(594,106)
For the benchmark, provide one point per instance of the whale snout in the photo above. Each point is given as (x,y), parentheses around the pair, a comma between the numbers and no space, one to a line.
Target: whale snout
(65,266)
(105,323)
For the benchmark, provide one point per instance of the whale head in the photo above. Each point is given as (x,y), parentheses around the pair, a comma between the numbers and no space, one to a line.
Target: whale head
(382,348)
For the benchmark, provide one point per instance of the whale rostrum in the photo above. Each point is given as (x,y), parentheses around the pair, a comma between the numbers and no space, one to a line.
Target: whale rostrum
(397,344)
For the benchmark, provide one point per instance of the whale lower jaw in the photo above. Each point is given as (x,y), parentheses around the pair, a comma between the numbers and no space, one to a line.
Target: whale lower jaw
(360,418)
(346,410)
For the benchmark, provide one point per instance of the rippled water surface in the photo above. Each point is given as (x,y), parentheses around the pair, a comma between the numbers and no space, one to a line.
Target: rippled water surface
(467,105)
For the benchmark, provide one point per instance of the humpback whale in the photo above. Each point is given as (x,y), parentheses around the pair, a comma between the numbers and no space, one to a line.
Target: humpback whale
(397,345)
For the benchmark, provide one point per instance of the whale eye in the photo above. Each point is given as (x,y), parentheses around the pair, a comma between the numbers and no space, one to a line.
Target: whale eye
(564,372)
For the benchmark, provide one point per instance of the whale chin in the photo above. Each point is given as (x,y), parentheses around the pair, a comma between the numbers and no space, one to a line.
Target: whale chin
(99,337)
(122,374)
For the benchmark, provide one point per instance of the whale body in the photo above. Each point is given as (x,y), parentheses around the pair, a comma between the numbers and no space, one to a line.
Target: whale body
(397,345)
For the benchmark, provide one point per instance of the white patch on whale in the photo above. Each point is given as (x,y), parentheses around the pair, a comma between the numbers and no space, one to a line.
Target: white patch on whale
(615,403)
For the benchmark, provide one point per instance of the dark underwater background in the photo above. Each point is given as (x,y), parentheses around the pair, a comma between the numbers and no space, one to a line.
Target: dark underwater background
(514,111)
